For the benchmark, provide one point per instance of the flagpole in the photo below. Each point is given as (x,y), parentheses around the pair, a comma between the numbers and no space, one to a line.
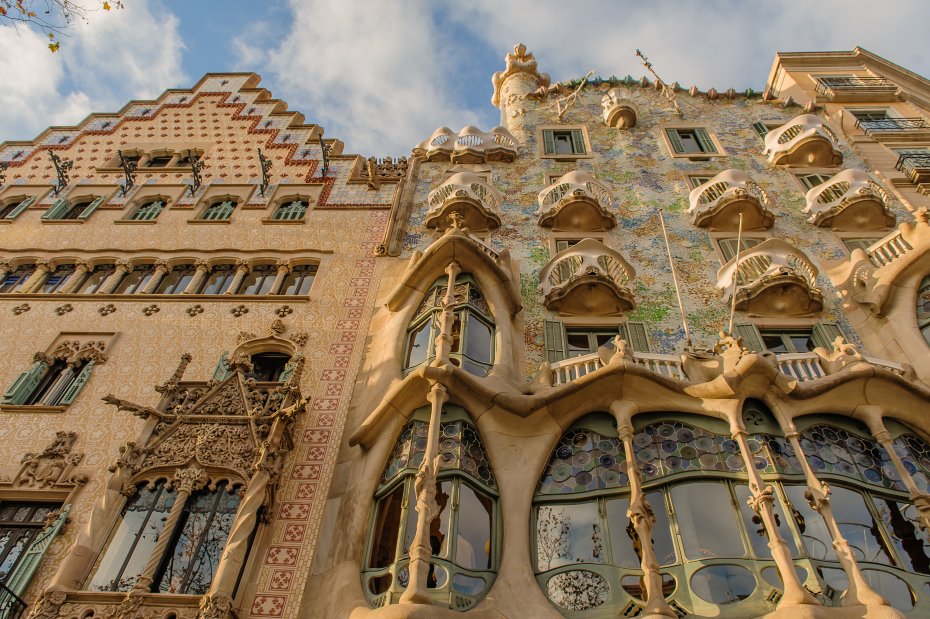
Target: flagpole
(739,243)
(671,264)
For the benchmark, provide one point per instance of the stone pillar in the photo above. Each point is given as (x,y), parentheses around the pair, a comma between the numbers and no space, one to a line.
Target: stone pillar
(284,269)
(242,269)
(161,269)
(818,495)
(81,268)
(519,78)
(186,481)
(446,318)
(762,502)
(427,509)
(202,267)
(121,270)
(642,517)
(38,276)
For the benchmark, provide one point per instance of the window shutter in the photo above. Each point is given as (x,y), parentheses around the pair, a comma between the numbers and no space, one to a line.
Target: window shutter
(221,371)
(56,210)
(77,383)
(824,333)
(22,206)
(288,370)
(727,248)
(578,142)
(703,138)
(19,578)
(91,208)
(25,384)
(677,146)
(548,142)
(751,337)
(761,129)
(636,336)
(555,342)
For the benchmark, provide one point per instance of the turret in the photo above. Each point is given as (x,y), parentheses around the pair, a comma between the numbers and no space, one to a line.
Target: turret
(518,79)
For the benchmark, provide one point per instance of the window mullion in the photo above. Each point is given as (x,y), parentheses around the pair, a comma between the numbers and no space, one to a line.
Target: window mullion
(135,541)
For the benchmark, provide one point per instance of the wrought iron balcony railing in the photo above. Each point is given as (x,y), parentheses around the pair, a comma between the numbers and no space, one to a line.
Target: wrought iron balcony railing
(11,606)
(879,125)
(916,166)
(826,84)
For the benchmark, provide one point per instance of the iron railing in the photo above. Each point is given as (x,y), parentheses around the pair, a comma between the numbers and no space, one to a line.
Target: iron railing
(825,84)
(913,163)
(11,606)
(891,124)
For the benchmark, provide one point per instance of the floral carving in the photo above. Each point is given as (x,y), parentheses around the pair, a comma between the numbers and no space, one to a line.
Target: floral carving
(193,310)
(107,309)
(61,310)
(239,311)
(21,309)
(55,465)
(148,310)
(284,310)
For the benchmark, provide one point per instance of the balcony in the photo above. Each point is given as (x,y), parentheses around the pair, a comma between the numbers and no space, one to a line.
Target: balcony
(470,145)
(589,279)
(844,89)
(804,141)
(718,203)
(851,200)
(469,195)
(619,112)
(892,126)
(578,202)
(915,166)
(772,279)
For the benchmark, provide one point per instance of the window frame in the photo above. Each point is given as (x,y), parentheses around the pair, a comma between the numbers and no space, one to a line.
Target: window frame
(696,156)
(716,237)
(541,131)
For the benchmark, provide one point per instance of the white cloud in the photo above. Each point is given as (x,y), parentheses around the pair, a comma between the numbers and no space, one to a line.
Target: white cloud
(116,56)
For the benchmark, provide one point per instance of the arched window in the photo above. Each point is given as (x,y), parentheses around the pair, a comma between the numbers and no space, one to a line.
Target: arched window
(15,278)
(177,279)
(219,210)
(923,308)
(219,279)
(57,278)
(148,210)
(472,329)
(463,535)
(268,366)
(259,280)
(292,209)
(299,280)
(136,280)
(95,278)
(11,209)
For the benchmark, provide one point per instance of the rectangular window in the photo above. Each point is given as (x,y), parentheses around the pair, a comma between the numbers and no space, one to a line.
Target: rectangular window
(563,142)
(584,341)
(788,340)
(861,243)
(563,244)
(870,114)
(20,524)
(698,180)
(728,246)
(809,181)
(567,342)
(690,141)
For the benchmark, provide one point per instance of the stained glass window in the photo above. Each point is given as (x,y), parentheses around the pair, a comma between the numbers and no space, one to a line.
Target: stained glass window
(833,450)
(673,447)
(923,308)
(583,461)
(915,454)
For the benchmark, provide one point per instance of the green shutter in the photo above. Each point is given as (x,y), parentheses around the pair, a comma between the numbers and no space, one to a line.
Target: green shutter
(677,146)
(824,333)
(77,383)
(91,208)
(703,138)
(751,337)
(761,129)
(25,384)
(22,206)
(19,578)
(727,248)
(56,210)
(554,335)
(548,142)
(636,336)
(288,370)
(578,142)
(221,371)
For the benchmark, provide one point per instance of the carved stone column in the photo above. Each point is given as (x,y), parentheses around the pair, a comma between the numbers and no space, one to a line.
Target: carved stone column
(447,317)
(762,502)
(186,481)
(121,270)
(161,269)
(818,495)
(202,267)
(38,276)
(427,509)
(642,517)
(284,269)
(242,269)
(81,268)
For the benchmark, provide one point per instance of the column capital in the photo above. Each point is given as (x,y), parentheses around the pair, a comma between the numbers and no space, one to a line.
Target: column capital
(284,265)
(190,479)
(160,265)
(202,265)
(123,265)
(243,265)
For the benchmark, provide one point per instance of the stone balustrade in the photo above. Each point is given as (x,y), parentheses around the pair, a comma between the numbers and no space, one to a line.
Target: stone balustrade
(803,141)
(576,201)
(851,200)
(588,278)
(469,195)
(718,203)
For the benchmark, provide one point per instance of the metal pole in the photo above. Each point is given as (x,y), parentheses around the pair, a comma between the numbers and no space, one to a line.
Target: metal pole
(739,242)
(671,264)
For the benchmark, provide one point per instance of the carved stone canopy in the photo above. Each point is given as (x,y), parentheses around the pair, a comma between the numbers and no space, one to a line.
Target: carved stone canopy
(75,352)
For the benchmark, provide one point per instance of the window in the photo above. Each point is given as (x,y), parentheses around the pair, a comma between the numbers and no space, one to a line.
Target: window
(188,157)
(52,382)
(291,210)
(463,533)
(56,279)
(259,281)
(299,280)
(136,280)
(568,142)
(697,180)
(95,278)
(219,279)
(566,342)
(148,210)
(176,280)
(790,340)
(472,329)
(728,246)
(16,278)
(159,161)
(193,554)
(860,243)
(563,244)
(763,128)
(268,366)
(20,524)
(221,210)
(12,208)
(691,141)
(809,181)
(870,114)
(923,308)
(79,209)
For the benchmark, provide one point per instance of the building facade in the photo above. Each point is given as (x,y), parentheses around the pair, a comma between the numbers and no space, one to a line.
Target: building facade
(639,351)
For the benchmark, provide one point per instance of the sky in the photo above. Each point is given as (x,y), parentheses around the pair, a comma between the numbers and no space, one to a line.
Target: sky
(383,75)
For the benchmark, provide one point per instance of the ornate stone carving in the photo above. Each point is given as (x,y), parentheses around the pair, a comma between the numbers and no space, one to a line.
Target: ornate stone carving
(386,170)
(49,605)
(843,354)
(215,607)
(54,466)
(520,61)
(21,309)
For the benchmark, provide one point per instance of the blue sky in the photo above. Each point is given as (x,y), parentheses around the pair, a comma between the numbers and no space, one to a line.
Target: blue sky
(382,75)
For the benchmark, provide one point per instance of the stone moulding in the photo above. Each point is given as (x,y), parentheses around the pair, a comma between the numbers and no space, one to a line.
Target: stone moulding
(773,278)
(470,145)
(468,194)
(588,278)
(576,201)
(718,203)
(619,112)
(851,200)
(805,140)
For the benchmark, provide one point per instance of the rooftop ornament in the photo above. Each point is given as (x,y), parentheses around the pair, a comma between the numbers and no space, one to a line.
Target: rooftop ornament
(62,167)
(520,61)
(265,165)
(324,151)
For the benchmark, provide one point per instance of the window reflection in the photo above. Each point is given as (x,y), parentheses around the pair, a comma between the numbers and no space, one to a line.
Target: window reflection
(707,521)
(136,280)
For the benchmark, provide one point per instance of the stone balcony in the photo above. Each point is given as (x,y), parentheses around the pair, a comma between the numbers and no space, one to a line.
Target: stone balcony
(619,112)
(577,201)
(772,279)
(851,200)
(470,145)
(469,195)
(718,203)
(803,141)
(588,279)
